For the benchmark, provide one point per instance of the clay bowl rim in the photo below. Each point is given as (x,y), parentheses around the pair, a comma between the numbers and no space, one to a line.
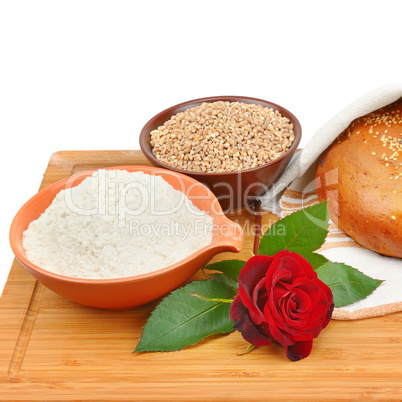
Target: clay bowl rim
(16,239)
(170,111)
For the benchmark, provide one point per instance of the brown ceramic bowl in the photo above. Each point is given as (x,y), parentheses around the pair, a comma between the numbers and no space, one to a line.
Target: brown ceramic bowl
(232,189)
(125,293)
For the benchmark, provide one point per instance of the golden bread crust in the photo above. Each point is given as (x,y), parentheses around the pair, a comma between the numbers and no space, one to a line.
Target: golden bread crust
(361,176)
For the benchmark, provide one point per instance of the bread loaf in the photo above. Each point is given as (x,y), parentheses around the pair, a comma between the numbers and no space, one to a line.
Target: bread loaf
(361,176)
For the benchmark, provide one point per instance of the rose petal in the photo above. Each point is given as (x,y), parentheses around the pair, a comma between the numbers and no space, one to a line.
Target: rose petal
(297,335)
(283,269)
(276,275)
(289,329)
(239,315)
(305,266)
(255,269)
(295,263)
(260,295)
(279,292)
(320,317)
(273,310)
(302,300)
(276,334)
(325,288)
(319,312)
(326,301)
(288,305)
(291,318)
(299,350)
(328,316)
(252,273)
(311,289)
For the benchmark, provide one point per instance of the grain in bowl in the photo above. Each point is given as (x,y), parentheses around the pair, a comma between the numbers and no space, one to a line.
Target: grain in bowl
(222,136)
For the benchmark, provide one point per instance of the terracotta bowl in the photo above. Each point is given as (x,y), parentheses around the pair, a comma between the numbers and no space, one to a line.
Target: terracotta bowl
(233,189)
(129,292)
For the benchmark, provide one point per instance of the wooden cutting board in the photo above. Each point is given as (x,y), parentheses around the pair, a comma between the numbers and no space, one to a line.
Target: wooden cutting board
(54,349)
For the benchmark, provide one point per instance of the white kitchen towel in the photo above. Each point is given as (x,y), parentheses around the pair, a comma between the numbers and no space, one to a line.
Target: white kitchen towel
(298,180)
(320,141)
(339,247)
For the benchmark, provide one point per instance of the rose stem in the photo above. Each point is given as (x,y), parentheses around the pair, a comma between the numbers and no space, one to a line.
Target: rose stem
(257,213)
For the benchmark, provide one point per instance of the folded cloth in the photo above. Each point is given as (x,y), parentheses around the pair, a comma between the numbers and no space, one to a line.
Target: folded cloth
(324,137)
(339,247)
(295,190)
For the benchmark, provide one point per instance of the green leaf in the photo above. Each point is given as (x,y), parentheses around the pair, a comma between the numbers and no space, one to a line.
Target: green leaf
(348,285)
(227,280)
(303,232)
(181,319)
(230,272)
(316,260)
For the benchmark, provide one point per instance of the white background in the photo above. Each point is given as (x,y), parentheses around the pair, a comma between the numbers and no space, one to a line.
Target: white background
(89,74)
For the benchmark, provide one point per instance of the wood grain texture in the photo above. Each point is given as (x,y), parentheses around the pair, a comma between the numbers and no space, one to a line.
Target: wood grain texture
(54,349)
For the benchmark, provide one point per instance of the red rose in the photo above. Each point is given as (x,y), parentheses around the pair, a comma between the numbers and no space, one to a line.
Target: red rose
(281,299)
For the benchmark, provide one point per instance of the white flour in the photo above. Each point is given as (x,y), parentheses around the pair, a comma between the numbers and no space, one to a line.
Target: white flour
(116,224)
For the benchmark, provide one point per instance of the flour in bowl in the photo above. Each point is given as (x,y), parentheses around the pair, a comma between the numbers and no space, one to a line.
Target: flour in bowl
(116,224)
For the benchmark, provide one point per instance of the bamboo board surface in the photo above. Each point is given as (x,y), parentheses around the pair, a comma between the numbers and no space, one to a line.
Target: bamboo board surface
(54,349)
